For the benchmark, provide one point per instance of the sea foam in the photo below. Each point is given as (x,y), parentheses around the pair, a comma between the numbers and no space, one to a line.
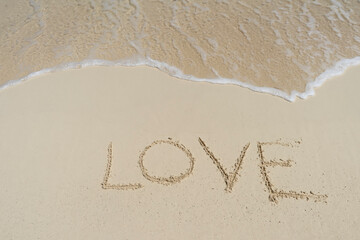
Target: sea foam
(339,68)
(282,48)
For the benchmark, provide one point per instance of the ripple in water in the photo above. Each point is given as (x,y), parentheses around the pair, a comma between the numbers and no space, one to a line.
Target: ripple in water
(281,47)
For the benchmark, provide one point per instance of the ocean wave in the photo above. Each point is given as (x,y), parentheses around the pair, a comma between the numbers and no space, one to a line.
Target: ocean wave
(284,48)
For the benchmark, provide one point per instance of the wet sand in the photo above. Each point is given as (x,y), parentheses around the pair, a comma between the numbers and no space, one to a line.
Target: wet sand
(283,47)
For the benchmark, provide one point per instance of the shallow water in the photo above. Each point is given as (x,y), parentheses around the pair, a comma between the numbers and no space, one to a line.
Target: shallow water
(282,47)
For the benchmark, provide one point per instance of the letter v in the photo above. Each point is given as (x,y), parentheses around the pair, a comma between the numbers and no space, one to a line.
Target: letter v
(230,178)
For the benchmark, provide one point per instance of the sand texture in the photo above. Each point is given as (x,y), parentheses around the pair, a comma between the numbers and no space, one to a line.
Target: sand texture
(131,153)
(270,46)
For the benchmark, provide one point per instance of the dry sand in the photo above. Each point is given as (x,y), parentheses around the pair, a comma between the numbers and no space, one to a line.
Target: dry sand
(164,182)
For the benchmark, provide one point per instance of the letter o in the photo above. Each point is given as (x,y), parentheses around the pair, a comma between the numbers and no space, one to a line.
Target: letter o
(166,180)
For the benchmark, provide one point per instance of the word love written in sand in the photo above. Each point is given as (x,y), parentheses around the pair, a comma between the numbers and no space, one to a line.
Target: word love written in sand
(230,178)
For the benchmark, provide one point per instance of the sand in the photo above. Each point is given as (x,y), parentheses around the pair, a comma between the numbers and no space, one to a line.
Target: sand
(286,45)
(132,153)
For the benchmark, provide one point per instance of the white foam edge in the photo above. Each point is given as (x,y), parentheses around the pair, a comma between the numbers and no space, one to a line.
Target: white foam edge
(338,69)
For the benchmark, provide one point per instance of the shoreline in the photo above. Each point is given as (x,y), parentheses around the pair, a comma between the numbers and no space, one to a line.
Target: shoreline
(264,47)
(338,69)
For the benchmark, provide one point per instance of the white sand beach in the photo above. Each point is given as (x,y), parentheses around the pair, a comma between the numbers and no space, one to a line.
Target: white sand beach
(55,131)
